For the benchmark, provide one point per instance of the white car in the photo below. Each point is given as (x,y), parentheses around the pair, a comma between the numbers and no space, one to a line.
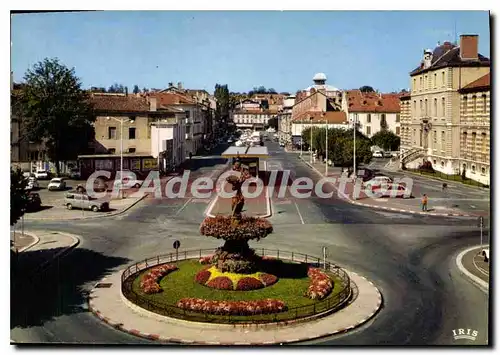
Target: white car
(378,180)
(486,254)
(41,174)
(128,182)
(32,184)
(378,154)
(56,184)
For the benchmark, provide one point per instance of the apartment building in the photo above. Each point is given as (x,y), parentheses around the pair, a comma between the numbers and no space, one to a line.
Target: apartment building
(123,128)
(435,103)
(405,119)
(475,129)
(285,120)
(374,112)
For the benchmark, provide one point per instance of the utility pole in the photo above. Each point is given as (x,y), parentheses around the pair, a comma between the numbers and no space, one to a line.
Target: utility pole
(326,145)
(354,145)
(311,141)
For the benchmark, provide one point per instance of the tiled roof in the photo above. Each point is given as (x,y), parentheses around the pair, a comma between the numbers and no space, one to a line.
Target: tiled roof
(448,55)
(124,103)
(171,98)
(338,117)
(372,102)
(481,83)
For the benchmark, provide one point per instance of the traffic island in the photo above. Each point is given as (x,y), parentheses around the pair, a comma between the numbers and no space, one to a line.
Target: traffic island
(112,301)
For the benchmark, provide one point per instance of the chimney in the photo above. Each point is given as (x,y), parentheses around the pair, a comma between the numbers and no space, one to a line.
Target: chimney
(179,85)
(152,104)
(469,47)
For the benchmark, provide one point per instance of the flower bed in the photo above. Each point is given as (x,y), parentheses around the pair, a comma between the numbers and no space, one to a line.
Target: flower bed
(321,285)
(221,227)
(149,282)
(206,260)
(214,278)
(243,308)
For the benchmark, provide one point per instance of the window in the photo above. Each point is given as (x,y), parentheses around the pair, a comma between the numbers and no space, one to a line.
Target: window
(398,118)
(111,132)
(435,107)
(398,131)
(443,140)
(443,77)
(442,164)
(414,107)
(414,136)
(474,104)
(426,82)
(483,171)
(414,84)
(435,137)
(112,151)
(464,140)
(483,143)
(421,83)
(188,113)
(435,80)
(131,150)
(132,118)
(434,162)
(368,130)
(466,103)
(131,133)
(474,135)
(443,106)
(426,112)
(421,108)
(473,168)
(483,99)
(369,118)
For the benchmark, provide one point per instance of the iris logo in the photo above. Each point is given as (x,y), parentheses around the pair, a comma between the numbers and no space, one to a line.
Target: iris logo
(461,333)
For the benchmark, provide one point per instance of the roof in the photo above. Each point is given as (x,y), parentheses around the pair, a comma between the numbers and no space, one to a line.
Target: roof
(481,84)
(338,117)
(448,55)
(246,152)
(319,76)
(373,102)
(119,102)
(171,98)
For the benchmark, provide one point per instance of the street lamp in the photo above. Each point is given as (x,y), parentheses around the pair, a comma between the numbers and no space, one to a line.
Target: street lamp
(355,122)
(311,141)
(326,145)
(121,120)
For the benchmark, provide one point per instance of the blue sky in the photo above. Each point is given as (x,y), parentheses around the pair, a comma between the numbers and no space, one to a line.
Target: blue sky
(282,50)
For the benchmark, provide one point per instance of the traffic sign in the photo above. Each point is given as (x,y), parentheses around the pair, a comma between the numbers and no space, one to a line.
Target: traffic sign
(481,221)
(177,244)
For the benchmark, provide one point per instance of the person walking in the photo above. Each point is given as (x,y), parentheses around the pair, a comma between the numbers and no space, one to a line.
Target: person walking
(425,200)
(445,186)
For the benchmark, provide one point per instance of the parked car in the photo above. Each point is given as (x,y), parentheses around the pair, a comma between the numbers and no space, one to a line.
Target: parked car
(74,174)
(34,202)
(79,200)
(486,254)
(127,182)
(390,190)
(378,180)
(378,154)
(56,184)
(32,183)
(42,174)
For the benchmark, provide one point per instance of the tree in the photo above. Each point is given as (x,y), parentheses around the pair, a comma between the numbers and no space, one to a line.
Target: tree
(56,111)
(223,106)
(271,91)
(383,123)
(285,93)
(117,88)
(273,122)
(18,195)
(136,89)
(97,89)
(386,140)
(366,88)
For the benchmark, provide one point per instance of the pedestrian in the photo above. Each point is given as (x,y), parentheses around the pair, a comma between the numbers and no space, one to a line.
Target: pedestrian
(424,203)
(445,185)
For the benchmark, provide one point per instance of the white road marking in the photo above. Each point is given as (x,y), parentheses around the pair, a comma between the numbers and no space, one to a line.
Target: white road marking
(183,206)
(394,215)
(480,269)
(298,211)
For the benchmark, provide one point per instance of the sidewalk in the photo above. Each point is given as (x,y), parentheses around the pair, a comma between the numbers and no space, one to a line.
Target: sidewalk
(42,249)
(471,263)
(410,205)
(109,305)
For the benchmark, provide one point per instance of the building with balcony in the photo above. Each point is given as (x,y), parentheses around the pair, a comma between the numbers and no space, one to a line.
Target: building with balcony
(405,119)
(374,112)
(475,129)
(285,120)
(434,128)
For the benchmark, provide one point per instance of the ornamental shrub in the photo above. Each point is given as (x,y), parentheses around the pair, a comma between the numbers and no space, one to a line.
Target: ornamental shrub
(249,283)
(221,227)
(202,277)
(221,283)
(244,308)
(268,279)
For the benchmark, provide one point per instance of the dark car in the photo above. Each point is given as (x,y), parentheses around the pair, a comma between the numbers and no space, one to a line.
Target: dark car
(34,202)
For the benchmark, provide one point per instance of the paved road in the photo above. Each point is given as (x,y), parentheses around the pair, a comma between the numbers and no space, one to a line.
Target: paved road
(410,258)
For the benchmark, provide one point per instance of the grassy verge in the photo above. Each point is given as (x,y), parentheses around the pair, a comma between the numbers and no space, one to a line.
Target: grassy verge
(441,176)
(180,284)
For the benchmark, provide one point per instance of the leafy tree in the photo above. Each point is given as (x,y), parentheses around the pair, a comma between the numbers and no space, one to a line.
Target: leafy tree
(386,139)
(97,89)
(285,93)
(117,88)
(223,106)
(18,195)
(366,88)
(136,89)
(56,111)
(271,91)
(145,90)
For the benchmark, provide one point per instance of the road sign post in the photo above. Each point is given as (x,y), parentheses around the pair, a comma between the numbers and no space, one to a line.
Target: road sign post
(481,224)
(176,246)
(324,258)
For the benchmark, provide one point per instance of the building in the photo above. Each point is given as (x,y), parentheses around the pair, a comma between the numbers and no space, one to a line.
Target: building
(405,119)
(285,120)
(123,128)
(475,129)
(374,112)
(319,84)
(252,114)
(435,104)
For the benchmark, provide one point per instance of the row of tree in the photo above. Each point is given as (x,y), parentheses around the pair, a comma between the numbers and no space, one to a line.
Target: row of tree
(341,144)
(118,88)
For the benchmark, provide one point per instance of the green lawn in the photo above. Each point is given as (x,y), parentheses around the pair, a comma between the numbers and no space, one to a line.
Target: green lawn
(180,284)
(442,176)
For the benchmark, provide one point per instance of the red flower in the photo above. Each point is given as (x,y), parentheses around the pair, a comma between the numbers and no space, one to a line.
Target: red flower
(265,306)
(321,285)
(149,282)
(249,283)
(221,283)
(202,277)
(268,279)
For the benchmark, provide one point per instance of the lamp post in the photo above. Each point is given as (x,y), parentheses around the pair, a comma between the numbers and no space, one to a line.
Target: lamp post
(311,141)
(121,120)
(354,145)
(326,144)
(158,136)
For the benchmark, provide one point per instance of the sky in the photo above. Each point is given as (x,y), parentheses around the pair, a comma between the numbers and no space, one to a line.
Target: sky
(244,49)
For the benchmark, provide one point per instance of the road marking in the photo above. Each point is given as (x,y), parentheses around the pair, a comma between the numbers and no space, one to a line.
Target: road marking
(298,211)
(483,285)
(480,269)
(183,206)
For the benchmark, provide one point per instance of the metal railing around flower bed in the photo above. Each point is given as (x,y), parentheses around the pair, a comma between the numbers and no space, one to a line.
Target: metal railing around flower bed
(330,303)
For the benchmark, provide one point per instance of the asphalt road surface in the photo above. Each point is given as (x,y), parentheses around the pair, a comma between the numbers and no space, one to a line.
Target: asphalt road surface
(411,259)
